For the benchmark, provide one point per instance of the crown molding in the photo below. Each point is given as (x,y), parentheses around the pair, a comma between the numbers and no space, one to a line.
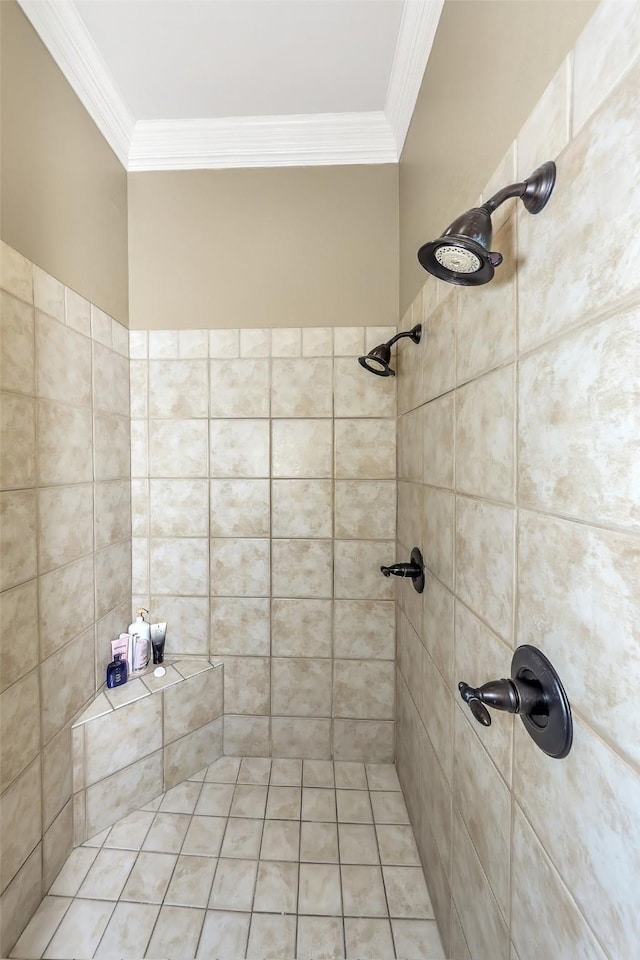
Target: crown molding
(278,141)
(63,32)
(418,27)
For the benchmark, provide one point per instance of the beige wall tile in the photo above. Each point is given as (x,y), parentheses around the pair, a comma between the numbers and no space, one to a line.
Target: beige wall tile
(191,753)
(301,448)
(584,463)
(408,358)
(64,443)
(545,919)
(193,344)
(302,387)
(317,342)
(21,899)
(365,449)
(301,737)
(240,508)
(178,448)
(67,683)
(607,47)
(140,565)
(239,568)
(348,341)
(120,336)
(359,393)
(301,568)
(20,823)
(459,948)
(57,844)
(20,731)
(179,566)
(101,326)
(486,323)
(364,689)
(78,312)
(137,730)
(17,273)
(484,561)
(485,425)
(484,801)
(139,388)
(301,688)
(18,618)
(255,343)
(113,576)
(370,740)
(17,347)
(410,513)
(17,537)
(593,835)
(578,601)
(57,766)
(287,342)
(551,299)
(480,656)
(139,508)
(110,381)
(484,929)
(119,447)
(410,446)
(357,569)
(112,505)
(66,604)
(123,792)
(364,629)
(302,508)
(365,509)
(63,363)
(239,388)
(437,629)
(163,345)
(438,535)
(239,626)
(246,685)
(546,132)
(138,344)
(224,344)
(438,434)
(439,352)
(301,628)
(179,508)
(18,442)
(188,619)
(435,796)
(505,172)
(191,705)
(438,713)
(410,656)
(247,736)
(239,448)
(178,388)
(65,524)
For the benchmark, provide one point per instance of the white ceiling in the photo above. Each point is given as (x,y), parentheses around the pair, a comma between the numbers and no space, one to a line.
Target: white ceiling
(178,84)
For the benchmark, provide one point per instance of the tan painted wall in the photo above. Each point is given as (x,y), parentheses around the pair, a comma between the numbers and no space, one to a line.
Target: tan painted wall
(305,246)
(64,193)
(490,63)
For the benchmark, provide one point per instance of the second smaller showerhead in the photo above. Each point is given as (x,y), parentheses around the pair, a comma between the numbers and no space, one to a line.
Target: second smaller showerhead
(378,359)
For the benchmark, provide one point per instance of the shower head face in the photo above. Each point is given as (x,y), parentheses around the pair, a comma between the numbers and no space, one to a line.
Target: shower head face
(462,255)
(378,361)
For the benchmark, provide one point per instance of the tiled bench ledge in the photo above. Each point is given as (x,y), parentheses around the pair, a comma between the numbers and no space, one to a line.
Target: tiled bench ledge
(136,741)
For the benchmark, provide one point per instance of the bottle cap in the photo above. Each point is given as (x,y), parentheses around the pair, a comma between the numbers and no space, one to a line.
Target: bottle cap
(159,672)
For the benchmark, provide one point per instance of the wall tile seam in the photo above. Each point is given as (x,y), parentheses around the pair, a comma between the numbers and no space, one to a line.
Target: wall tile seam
(484,874)
(632,532)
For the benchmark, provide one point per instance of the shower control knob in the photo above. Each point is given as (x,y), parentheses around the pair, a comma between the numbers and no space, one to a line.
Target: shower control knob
(414,569)
(535,693)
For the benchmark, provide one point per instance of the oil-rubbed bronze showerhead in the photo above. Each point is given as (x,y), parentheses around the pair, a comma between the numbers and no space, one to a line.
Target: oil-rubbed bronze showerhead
(462,253)
(378,359)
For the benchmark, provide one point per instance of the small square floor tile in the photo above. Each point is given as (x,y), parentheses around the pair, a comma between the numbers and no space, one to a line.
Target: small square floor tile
(318,804)
(167,833)
(367,938)
(397,845)
(363,892)
(280,840)
(128,932)
(354,806)
(276,887)
(191,882)
(41,928)
(350,775)
(283,803)
(286,773)
(215,800)
(224,935)
(319,842)
(320,938)
(318,773)
(319,892)
(417,940)
(176,933)
(108,875)
(153,805)
(234,885)
(242,839)
(271,937)
(199,775)
(382,776)
(249,800)
(129,833)
(255,770)
(224,770)
(70,878)
(407,893)
(182,798)
(80,930)
(389,807)
(149,879)
(204,836)
(358,843)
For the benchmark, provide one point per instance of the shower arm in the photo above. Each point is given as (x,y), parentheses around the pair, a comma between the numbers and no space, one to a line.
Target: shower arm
(507,193)
(414,334)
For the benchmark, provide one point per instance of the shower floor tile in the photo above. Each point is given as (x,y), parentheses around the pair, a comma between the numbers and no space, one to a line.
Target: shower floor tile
(249,858)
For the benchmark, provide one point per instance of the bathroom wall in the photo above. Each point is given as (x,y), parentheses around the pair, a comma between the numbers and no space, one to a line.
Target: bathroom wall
(519,463)
(65,569)
(263,502)
(519,460)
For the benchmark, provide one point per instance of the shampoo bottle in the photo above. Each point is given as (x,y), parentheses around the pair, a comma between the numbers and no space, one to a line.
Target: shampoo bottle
(141,626)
